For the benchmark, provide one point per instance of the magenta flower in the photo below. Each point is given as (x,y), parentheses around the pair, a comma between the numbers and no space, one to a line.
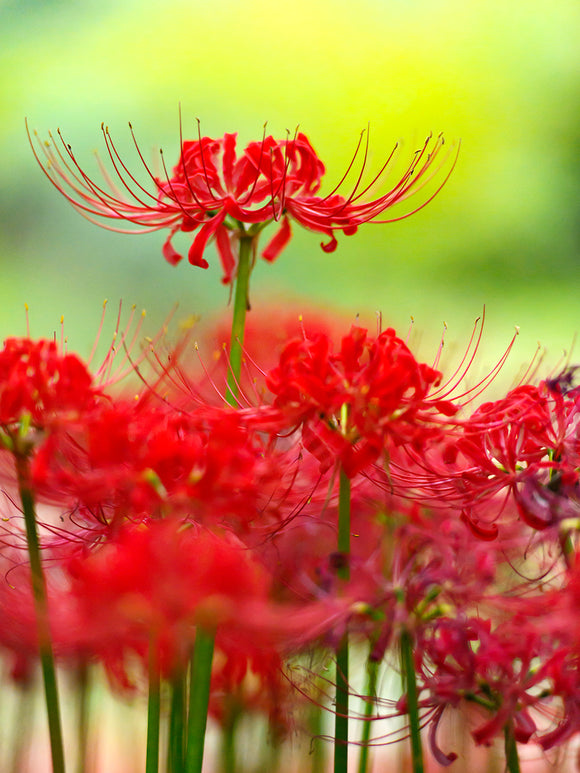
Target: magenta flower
(222,196)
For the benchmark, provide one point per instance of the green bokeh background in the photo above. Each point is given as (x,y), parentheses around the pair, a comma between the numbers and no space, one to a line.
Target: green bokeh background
(502,76)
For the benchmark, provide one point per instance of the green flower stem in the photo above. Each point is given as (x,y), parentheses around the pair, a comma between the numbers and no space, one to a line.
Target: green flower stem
(511,749)
(176,736)
(41,609)
(241,295)
(342,660)
(228,748)
(410,686)
(153,709)
(371,691)
(344,524)
(199,698)
(83,689)
(568,548)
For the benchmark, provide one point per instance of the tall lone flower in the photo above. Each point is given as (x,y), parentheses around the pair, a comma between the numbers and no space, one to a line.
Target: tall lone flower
(225,196)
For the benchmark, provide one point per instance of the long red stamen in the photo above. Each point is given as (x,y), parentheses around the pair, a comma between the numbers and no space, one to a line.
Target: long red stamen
(207,182)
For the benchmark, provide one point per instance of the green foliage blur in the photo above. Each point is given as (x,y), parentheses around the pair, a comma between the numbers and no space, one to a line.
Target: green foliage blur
(502,76)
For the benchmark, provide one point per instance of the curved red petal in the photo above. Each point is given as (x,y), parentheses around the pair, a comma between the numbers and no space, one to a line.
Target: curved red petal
(332,244)
(170,253)
(278,241)
(224,248)
(208,230)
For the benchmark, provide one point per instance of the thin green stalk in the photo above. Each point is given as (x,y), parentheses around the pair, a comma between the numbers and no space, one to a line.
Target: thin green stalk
(199,699)
(83,688)
(241,295)
(176,736)
(511,749)
(153,709)
(410,686)
(344,523)
(568,548)
(228,748)
(41,609)
(342,660)
(371,691)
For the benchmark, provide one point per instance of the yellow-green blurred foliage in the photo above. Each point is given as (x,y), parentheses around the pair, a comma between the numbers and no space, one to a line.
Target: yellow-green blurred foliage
(503,76)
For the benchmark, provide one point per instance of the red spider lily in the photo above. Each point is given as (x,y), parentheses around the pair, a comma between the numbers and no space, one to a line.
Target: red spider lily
(352,402)
(217,193)
(41,382)
(159,582)
(139,461)
(518,670)
(467,659)
(525,445)
(40,386)
(248,679)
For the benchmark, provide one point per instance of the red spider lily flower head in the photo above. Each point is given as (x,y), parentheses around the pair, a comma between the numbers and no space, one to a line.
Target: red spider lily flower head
(354,401)
(247,678)
(39,384)
(492,667)
(161,581)
(132,461)
(222,195)
(526,446)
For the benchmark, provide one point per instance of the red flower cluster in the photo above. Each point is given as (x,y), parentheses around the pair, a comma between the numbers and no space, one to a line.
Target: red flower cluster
(167,515)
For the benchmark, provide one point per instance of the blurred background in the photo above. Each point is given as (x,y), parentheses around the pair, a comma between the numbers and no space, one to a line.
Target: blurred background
(502,76)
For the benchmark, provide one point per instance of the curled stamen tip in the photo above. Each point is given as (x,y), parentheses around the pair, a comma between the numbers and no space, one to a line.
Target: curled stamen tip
(26,307)
(195,346)
(130,125)
(61,318)
(105,302)
(144,313)
(517,327)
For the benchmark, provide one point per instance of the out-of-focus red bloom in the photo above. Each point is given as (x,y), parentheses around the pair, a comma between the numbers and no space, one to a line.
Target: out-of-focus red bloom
(247,678)
(352,402)
(158,582)
(39,383)
(217,193)
(40,389)
(135,461)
